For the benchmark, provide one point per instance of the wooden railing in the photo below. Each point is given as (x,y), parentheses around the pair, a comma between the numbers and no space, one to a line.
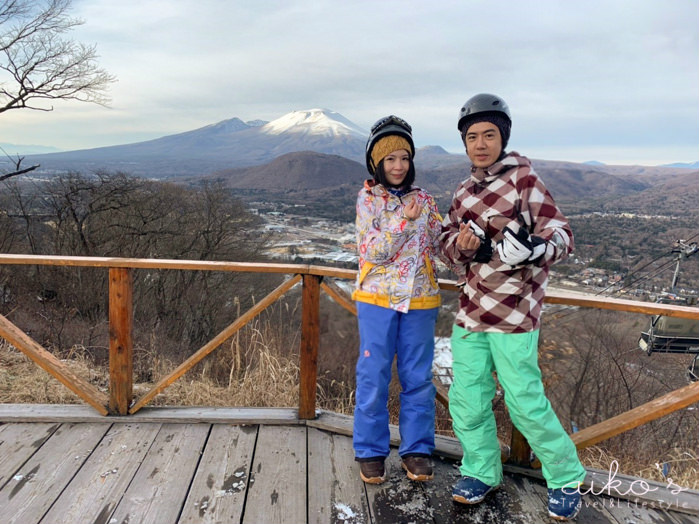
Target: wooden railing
(120,401)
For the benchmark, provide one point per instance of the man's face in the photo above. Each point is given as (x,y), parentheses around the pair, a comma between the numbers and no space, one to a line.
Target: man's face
(483,144)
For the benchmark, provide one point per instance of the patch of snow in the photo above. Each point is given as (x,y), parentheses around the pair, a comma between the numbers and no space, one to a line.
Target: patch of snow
(442,364)
(321,122)
(344,512)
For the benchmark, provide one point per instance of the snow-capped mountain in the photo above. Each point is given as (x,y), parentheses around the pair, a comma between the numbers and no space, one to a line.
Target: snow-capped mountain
(227,144)
(315,122)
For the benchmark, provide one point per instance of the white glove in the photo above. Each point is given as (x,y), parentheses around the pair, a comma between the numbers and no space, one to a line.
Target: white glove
(516,248)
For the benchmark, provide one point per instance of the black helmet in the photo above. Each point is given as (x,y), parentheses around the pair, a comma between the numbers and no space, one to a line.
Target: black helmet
(483,103)
(386,126)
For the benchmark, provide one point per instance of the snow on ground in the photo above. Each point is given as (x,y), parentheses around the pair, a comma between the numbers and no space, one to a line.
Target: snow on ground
(441,367)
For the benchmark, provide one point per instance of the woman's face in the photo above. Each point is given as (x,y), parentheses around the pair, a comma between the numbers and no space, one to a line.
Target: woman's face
(396,165)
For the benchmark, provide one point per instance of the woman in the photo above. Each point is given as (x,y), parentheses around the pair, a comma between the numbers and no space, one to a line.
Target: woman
(397,300)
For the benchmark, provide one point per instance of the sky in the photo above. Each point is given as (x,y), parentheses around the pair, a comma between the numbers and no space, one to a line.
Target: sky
(615,81)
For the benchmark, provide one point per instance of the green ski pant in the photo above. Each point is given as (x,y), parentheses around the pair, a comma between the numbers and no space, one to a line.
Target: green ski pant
(514,356)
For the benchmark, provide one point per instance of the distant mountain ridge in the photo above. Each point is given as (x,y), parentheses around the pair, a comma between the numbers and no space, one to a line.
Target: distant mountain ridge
(232,144)
(317,152)
(687,165)
(331,182)
(227,144)
(24,149)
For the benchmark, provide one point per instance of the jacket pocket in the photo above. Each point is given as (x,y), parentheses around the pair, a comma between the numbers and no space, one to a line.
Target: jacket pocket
(366,268)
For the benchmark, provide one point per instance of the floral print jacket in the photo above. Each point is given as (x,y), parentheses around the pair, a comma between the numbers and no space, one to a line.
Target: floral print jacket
(396,255)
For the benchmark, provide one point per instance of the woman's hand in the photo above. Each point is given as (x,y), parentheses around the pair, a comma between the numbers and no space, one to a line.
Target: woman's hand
(412,210)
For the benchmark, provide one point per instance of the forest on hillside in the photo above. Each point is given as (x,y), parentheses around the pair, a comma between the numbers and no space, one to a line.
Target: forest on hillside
(117,215)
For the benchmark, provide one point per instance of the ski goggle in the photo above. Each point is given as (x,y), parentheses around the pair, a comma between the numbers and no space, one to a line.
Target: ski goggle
(388,120)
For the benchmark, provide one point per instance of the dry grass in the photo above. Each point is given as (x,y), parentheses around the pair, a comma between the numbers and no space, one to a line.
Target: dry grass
(21,381)
(267,380)
(258,375)
(683,466)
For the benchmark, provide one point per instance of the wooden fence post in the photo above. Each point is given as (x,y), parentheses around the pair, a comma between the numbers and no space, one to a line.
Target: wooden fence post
(120,340)
(520,452)
(310,340)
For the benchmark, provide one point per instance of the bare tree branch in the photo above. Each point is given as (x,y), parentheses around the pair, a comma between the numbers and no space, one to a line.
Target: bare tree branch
(17,169)
(40,62)
(20,172)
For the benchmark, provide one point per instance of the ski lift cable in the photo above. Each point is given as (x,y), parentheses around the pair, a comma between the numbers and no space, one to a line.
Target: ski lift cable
(658,270)
(569,310)
(566,311)
(666,264)
(636,271)
(649,263)
(661,256)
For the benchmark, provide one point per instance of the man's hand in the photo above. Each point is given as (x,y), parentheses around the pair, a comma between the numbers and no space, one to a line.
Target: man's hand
(467,239)
(475,239)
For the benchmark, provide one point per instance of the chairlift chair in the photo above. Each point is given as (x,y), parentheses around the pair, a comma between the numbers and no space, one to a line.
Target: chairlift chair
(672,334)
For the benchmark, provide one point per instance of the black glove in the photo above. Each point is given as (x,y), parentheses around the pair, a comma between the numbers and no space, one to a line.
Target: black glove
(485,251)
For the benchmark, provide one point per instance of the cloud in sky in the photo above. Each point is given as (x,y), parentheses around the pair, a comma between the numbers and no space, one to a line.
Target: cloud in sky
(609,80)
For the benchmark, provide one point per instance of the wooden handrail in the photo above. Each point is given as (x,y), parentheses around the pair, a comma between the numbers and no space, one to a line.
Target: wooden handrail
(168,263)
(578,299)
(553,296)
(312,276)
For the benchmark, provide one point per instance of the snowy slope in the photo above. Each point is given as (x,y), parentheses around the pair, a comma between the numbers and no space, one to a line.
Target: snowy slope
(317,122)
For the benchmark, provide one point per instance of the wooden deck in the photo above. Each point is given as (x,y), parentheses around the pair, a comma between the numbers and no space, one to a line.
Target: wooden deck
(67,465)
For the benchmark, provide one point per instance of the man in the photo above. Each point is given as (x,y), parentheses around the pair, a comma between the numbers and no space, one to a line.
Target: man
(501,235)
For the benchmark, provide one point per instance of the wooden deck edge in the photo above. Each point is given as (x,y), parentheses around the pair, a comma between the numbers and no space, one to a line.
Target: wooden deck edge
(447,447)
(637,491)
(184,414)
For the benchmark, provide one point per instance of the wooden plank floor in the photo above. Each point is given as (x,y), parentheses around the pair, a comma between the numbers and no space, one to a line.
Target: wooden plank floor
(136,471)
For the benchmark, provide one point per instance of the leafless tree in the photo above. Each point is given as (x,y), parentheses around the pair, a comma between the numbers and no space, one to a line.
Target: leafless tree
(115,214)
(38,62)
(594,370)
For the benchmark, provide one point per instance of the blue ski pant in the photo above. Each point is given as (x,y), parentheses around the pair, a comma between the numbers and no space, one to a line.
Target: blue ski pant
(514,356)
(409,337)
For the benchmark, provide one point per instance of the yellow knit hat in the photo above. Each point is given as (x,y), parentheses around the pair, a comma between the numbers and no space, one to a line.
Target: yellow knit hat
(387,145)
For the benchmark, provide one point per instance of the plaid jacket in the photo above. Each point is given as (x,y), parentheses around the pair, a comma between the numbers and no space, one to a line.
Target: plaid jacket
(497,297)
(396,255)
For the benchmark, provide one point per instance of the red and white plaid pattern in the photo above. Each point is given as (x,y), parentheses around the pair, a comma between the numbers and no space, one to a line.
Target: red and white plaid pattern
(496,296)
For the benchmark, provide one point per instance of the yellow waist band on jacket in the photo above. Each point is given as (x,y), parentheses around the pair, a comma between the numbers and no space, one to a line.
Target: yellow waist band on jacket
(427,302)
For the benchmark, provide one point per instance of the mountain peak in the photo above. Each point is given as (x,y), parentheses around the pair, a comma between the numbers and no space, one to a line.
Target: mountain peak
(231,125)
(319,122)
(433,150)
